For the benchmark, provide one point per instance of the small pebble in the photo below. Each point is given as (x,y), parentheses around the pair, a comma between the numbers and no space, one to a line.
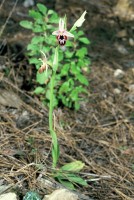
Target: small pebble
(61,194)
(131,87)
(8,196)
(131,42)
(117,91)
(28,3)
(121,49)
(118,73)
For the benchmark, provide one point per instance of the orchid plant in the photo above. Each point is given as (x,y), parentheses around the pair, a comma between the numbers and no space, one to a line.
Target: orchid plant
(71,82)
(49,67)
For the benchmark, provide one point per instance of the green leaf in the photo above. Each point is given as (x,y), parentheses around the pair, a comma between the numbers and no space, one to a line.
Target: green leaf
(34,61)
(50,40)
(69,54)
(45,49)
(74,94)
(39,90)
(76,179)
(26,24)
(82,79)
(41,78)
(69,43)
(42,8)
(74,69)
(37,39)
(64,69)
(55,101)
(50,12)
(80,33)
(32,47)
(72,178)
(84,40)
(48,94)
(31,196)
(82,63)
(33,50)
(67,184)
(35,14)
(38,29)
(55,148)
(50,27)
(77,105)
(81,52)
(54,18)
(75,166)
(64,87)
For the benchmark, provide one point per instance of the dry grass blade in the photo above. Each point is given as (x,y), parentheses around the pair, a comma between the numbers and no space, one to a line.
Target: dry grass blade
(3,27)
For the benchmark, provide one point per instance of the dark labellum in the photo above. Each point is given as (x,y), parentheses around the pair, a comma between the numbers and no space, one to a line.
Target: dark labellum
(62,39)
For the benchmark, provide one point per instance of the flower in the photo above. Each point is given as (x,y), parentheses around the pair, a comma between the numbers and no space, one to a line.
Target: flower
(44,65)
(79,22)
(62,34)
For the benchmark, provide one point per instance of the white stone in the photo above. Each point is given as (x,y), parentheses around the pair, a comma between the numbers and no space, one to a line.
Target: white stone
(117,91)
(122,49)
(118,73)
(61,194)
(28,3)
(8,196)
(131,87)
(131,42)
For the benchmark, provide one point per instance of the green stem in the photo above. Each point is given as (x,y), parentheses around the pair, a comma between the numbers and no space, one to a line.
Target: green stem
(51,103)
(55,145)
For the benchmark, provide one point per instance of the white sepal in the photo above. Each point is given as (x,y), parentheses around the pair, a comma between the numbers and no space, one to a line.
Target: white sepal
(79,22)
(61,25)
(68,34)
